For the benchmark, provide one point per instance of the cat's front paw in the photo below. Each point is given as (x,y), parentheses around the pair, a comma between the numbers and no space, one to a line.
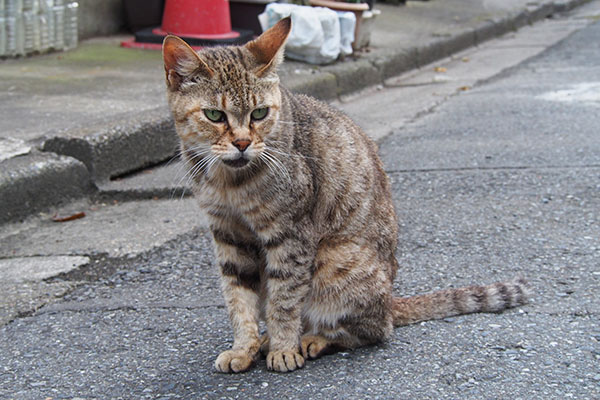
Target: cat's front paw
(284,361)
(233,361)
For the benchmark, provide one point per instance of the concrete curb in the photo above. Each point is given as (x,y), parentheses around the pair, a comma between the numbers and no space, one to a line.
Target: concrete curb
(377,68)
(32,183)
(123,146)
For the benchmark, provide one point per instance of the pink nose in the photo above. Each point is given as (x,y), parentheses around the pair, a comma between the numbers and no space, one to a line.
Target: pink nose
(241,144)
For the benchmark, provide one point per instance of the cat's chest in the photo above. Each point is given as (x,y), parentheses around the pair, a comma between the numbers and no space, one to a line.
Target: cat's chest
(237,200)
(262,209)
(250,203)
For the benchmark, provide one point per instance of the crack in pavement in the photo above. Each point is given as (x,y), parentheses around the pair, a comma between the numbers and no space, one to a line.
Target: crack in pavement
(75,306)
(498,168)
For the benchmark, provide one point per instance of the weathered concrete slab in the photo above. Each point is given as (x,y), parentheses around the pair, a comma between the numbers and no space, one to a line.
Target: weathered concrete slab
(22,282)
(31,269)
(26,297)
(11,147)
(115,230)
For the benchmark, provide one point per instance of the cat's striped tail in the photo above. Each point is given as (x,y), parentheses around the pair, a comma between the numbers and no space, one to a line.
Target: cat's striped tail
(471,299)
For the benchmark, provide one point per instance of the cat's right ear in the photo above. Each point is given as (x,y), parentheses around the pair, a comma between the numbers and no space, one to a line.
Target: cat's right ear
(181,61)
(268,47)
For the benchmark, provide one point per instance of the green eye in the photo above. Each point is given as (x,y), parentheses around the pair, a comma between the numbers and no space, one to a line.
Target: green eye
(259,113)
(215,115)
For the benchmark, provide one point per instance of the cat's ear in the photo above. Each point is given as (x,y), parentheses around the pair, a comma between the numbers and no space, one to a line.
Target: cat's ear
(181,60)
(268,47)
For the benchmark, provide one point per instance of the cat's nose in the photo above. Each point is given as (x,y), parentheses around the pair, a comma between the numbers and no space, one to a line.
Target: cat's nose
(241,144)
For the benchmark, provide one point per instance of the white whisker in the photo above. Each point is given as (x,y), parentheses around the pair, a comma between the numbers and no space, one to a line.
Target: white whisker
(191,173)
(211,164)
(264,159)
(278,164)
(189,176)
(194,151)
(282,153)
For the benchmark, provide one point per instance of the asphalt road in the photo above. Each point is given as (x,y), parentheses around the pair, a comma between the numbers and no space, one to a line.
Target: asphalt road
(499,181)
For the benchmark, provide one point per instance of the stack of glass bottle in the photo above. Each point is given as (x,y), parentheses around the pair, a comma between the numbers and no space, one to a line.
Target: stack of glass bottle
(37,26)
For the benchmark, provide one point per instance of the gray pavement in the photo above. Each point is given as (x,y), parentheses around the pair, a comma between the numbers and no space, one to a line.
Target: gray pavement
(134,214)
(104,108)
(495,181)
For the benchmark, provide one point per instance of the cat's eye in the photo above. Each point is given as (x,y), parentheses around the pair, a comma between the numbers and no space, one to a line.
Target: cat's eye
(259,113)
(215,115)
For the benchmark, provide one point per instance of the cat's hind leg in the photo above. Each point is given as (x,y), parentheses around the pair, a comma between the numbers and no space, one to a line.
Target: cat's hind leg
(315,346)
(362,331)
(311,346)
(350,301)
(369,321)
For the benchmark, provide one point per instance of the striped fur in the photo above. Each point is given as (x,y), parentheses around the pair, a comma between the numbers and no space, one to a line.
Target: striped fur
(302,219)
(472,299)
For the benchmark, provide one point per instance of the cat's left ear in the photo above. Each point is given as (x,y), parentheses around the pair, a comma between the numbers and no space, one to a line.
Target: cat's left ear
(181,61)
(268,47)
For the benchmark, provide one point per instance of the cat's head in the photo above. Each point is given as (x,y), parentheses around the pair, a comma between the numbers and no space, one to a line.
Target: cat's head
(225,100)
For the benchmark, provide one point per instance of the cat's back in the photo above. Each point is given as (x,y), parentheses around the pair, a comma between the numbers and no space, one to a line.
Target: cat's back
(322,120)
(341,147)
(353,192)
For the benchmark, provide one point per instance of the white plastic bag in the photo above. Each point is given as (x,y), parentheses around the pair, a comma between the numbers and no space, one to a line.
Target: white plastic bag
(347,24)
(316,37)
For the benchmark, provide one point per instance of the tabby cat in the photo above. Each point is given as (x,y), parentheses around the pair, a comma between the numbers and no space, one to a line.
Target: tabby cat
(299,208)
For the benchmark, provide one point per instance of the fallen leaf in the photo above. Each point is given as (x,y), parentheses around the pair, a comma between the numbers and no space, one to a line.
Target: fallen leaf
(66,218)
(465,59)
(464,88)
(440,69)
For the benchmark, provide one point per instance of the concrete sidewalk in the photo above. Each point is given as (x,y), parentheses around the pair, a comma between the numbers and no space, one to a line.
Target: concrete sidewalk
(72,121)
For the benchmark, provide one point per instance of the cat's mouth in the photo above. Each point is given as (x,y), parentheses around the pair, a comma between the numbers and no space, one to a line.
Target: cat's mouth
(237,163)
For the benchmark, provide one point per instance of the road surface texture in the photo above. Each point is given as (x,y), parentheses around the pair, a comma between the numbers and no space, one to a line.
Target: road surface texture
(499,181)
